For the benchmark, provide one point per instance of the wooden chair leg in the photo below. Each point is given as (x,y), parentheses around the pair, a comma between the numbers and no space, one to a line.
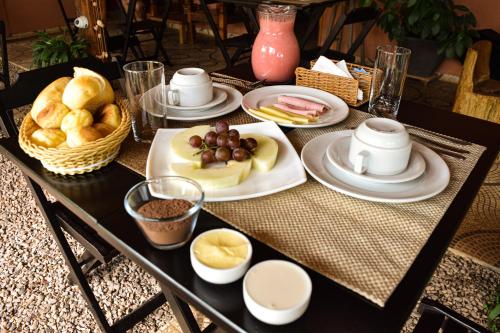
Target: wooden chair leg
(222,20)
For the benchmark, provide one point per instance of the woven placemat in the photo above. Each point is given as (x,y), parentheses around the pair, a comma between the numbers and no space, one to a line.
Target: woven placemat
(365,246)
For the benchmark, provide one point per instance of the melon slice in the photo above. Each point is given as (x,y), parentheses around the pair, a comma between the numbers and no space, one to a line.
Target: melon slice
(182,149)
(264,157)
(215,177)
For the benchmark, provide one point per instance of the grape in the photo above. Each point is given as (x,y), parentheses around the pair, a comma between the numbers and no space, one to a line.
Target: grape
(233,132)
(240,154)
(211,138)
(251,144)
(222,140)
(195,141)
(207,156)
(243,143)
(222,154)
(233,142)
(221,126)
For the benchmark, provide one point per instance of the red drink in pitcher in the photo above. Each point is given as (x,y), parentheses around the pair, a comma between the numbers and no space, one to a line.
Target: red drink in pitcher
(275,52)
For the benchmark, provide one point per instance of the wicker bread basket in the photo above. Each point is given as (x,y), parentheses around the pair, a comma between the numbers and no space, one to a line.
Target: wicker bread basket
(78,160)
(343,87)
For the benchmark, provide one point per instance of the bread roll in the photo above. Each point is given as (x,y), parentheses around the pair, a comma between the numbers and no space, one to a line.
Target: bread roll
(48,109)
(110,114)
(87,90)
(78,136)
(104,129)
(48,137)
(52,115)
(76,118)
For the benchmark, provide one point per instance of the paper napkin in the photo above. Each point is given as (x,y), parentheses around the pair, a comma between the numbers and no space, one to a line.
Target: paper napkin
(325,65)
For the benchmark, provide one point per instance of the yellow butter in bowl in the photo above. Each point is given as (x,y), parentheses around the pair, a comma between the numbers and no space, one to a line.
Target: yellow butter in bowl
(221,255)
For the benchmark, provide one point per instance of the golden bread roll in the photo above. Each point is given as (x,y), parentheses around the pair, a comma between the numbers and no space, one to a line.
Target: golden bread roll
(104,129)
(48,107)
(48,137)
(77,118)
(78,136)
(87,90)
(52,115)
(110,114)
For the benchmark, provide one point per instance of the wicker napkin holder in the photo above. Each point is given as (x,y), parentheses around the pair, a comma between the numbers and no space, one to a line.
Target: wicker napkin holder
(343,87)
(78,160)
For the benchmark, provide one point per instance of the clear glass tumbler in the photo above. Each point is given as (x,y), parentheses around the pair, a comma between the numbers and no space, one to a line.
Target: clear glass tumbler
(166,209)
(143,80)
(388,80)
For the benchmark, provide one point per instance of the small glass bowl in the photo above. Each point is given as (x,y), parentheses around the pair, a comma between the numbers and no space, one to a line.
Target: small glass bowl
(173,229)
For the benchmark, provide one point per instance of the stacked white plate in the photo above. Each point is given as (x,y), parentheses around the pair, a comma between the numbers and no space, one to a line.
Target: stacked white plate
(326,159)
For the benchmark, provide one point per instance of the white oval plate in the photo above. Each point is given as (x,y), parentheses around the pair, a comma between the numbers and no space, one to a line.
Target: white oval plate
(338,154)
(231,104)
(288,171)
(219,96)
(338,109)
(432,182)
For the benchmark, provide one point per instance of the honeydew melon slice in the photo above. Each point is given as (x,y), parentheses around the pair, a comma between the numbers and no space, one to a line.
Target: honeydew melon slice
(182,149)
(265,155)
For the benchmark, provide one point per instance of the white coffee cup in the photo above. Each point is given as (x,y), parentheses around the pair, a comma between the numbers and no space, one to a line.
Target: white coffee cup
(190,87)
(380,146)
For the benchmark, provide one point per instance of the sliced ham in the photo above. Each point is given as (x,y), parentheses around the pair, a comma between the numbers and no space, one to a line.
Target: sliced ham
(291,109)
(301,103)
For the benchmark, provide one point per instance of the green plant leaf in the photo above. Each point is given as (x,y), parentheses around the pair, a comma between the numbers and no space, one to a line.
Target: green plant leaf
(435,29)
(411,3)
(413,17)
(494,313)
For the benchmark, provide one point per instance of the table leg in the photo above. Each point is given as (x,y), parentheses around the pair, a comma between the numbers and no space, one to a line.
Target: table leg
(128,29)
(215,31)
(181,311)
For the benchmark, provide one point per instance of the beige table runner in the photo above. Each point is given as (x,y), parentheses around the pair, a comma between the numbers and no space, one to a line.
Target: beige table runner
(365,246)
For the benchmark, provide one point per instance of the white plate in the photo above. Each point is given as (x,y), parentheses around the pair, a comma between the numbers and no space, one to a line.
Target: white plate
(219,96)
(432,182)
(338,154)
(287,173)
(338,109)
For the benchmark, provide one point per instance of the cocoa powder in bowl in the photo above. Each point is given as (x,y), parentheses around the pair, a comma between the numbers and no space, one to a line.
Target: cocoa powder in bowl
(166,232)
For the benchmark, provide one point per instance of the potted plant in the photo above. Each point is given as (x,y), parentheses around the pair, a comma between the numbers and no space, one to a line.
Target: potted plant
(49,50)
(432,29)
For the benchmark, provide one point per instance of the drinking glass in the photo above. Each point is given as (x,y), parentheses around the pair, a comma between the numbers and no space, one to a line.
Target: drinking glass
(143,83)
(388,80)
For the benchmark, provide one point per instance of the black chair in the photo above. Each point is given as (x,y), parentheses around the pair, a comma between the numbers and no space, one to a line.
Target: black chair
(56,215)
(366,15)
(133,28)
(436,317)
(4,76)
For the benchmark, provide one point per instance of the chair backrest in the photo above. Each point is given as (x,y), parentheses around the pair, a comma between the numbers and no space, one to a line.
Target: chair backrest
(367,15)
(482,67)
(5,59)
(30,83)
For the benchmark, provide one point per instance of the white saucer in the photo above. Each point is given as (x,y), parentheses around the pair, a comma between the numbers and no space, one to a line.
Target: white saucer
(231,103)
(432,182)
(337,108)
(219,96)
(338,154)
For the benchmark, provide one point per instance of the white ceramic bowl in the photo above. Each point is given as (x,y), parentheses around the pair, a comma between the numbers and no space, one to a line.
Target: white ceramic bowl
(270,291)
(383,133)
(218,275)
(191,76)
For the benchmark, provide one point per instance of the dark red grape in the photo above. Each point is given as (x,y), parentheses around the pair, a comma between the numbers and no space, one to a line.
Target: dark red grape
(221,126)
(222,154)
(211,138)
(243,143)
(251,144)
(195,141)
(207,156)
(234,133)
(222,140)
(240,154)
(233,142)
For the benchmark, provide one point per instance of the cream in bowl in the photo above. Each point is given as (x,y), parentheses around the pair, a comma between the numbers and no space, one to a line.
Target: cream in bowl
(221,255)
(277,292)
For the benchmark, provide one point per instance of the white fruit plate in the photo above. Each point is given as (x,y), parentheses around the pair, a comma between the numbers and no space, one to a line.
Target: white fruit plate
(288,171)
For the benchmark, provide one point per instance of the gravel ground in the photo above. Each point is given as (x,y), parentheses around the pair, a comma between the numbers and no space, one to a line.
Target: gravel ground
(35,295)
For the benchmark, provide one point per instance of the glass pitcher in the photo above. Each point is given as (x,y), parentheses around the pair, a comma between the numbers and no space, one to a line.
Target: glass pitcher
(275,52)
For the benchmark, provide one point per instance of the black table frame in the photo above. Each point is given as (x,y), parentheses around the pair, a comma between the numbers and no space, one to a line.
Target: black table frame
(332,306)
(313,12)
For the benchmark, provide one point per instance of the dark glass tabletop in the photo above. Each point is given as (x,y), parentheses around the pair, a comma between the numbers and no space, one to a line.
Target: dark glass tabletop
(97,198)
